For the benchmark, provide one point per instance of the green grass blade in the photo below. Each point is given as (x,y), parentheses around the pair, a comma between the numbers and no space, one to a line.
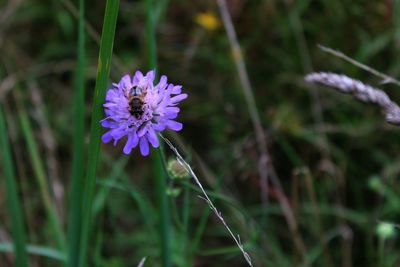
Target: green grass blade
(75,208)
(37,250)
(103,70)
(159,170)
(21,257)
(38,169)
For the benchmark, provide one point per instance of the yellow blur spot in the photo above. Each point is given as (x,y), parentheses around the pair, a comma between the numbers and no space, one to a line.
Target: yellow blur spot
(207,20)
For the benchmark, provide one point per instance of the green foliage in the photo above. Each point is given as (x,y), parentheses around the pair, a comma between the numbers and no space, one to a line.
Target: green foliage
(337,160)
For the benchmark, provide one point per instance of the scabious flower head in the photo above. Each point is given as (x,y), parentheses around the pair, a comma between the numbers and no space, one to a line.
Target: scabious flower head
(138,109)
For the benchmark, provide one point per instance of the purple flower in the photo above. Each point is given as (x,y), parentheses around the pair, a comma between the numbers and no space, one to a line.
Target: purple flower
(138,109)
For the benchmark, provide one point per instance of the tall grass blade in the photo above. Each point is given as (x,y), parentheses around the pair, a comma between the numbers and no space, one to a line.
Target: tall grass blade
(18,231)
(75,208)
(103,70)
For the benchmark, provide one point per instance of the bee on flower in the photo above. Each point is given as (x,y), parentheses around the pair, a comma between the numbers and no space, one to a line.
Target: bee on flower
(138,109)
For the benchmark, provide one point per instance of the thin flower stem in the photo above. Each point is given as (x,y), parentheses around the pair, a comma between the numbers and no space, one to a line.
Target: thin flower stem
(207,199)
(159,170)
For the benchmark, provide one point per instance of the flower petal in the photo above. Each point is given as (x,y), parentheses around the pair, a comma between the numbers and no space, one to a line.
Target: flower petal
(159,127)
(171,115)
(151,75)
(118,133)
(132,142)
(108,124)
(162,83)
(174,125)
(142,130)
(111,94)
(172,109)
(178,98)
(177,89)
(169,89)
(152,137)
(106,137)
(109,104)
(125,82)
(144,146)
(137,77)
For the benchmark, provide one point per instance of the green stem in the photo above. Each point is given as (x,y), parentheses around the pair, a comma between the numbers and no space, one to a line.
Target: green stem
(18,231)
(159,170)
(75,208)
(164,211)
(103,70)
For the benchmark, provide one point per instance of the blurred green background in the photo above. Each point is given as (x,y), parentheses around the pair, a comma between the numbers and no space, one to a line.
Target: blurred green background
(337,159)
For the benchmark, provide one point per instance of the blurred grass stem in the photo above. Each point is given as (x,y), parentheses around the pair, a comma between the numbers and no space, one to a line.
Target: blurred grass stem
(40,175)
(263,168)
(14,206)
